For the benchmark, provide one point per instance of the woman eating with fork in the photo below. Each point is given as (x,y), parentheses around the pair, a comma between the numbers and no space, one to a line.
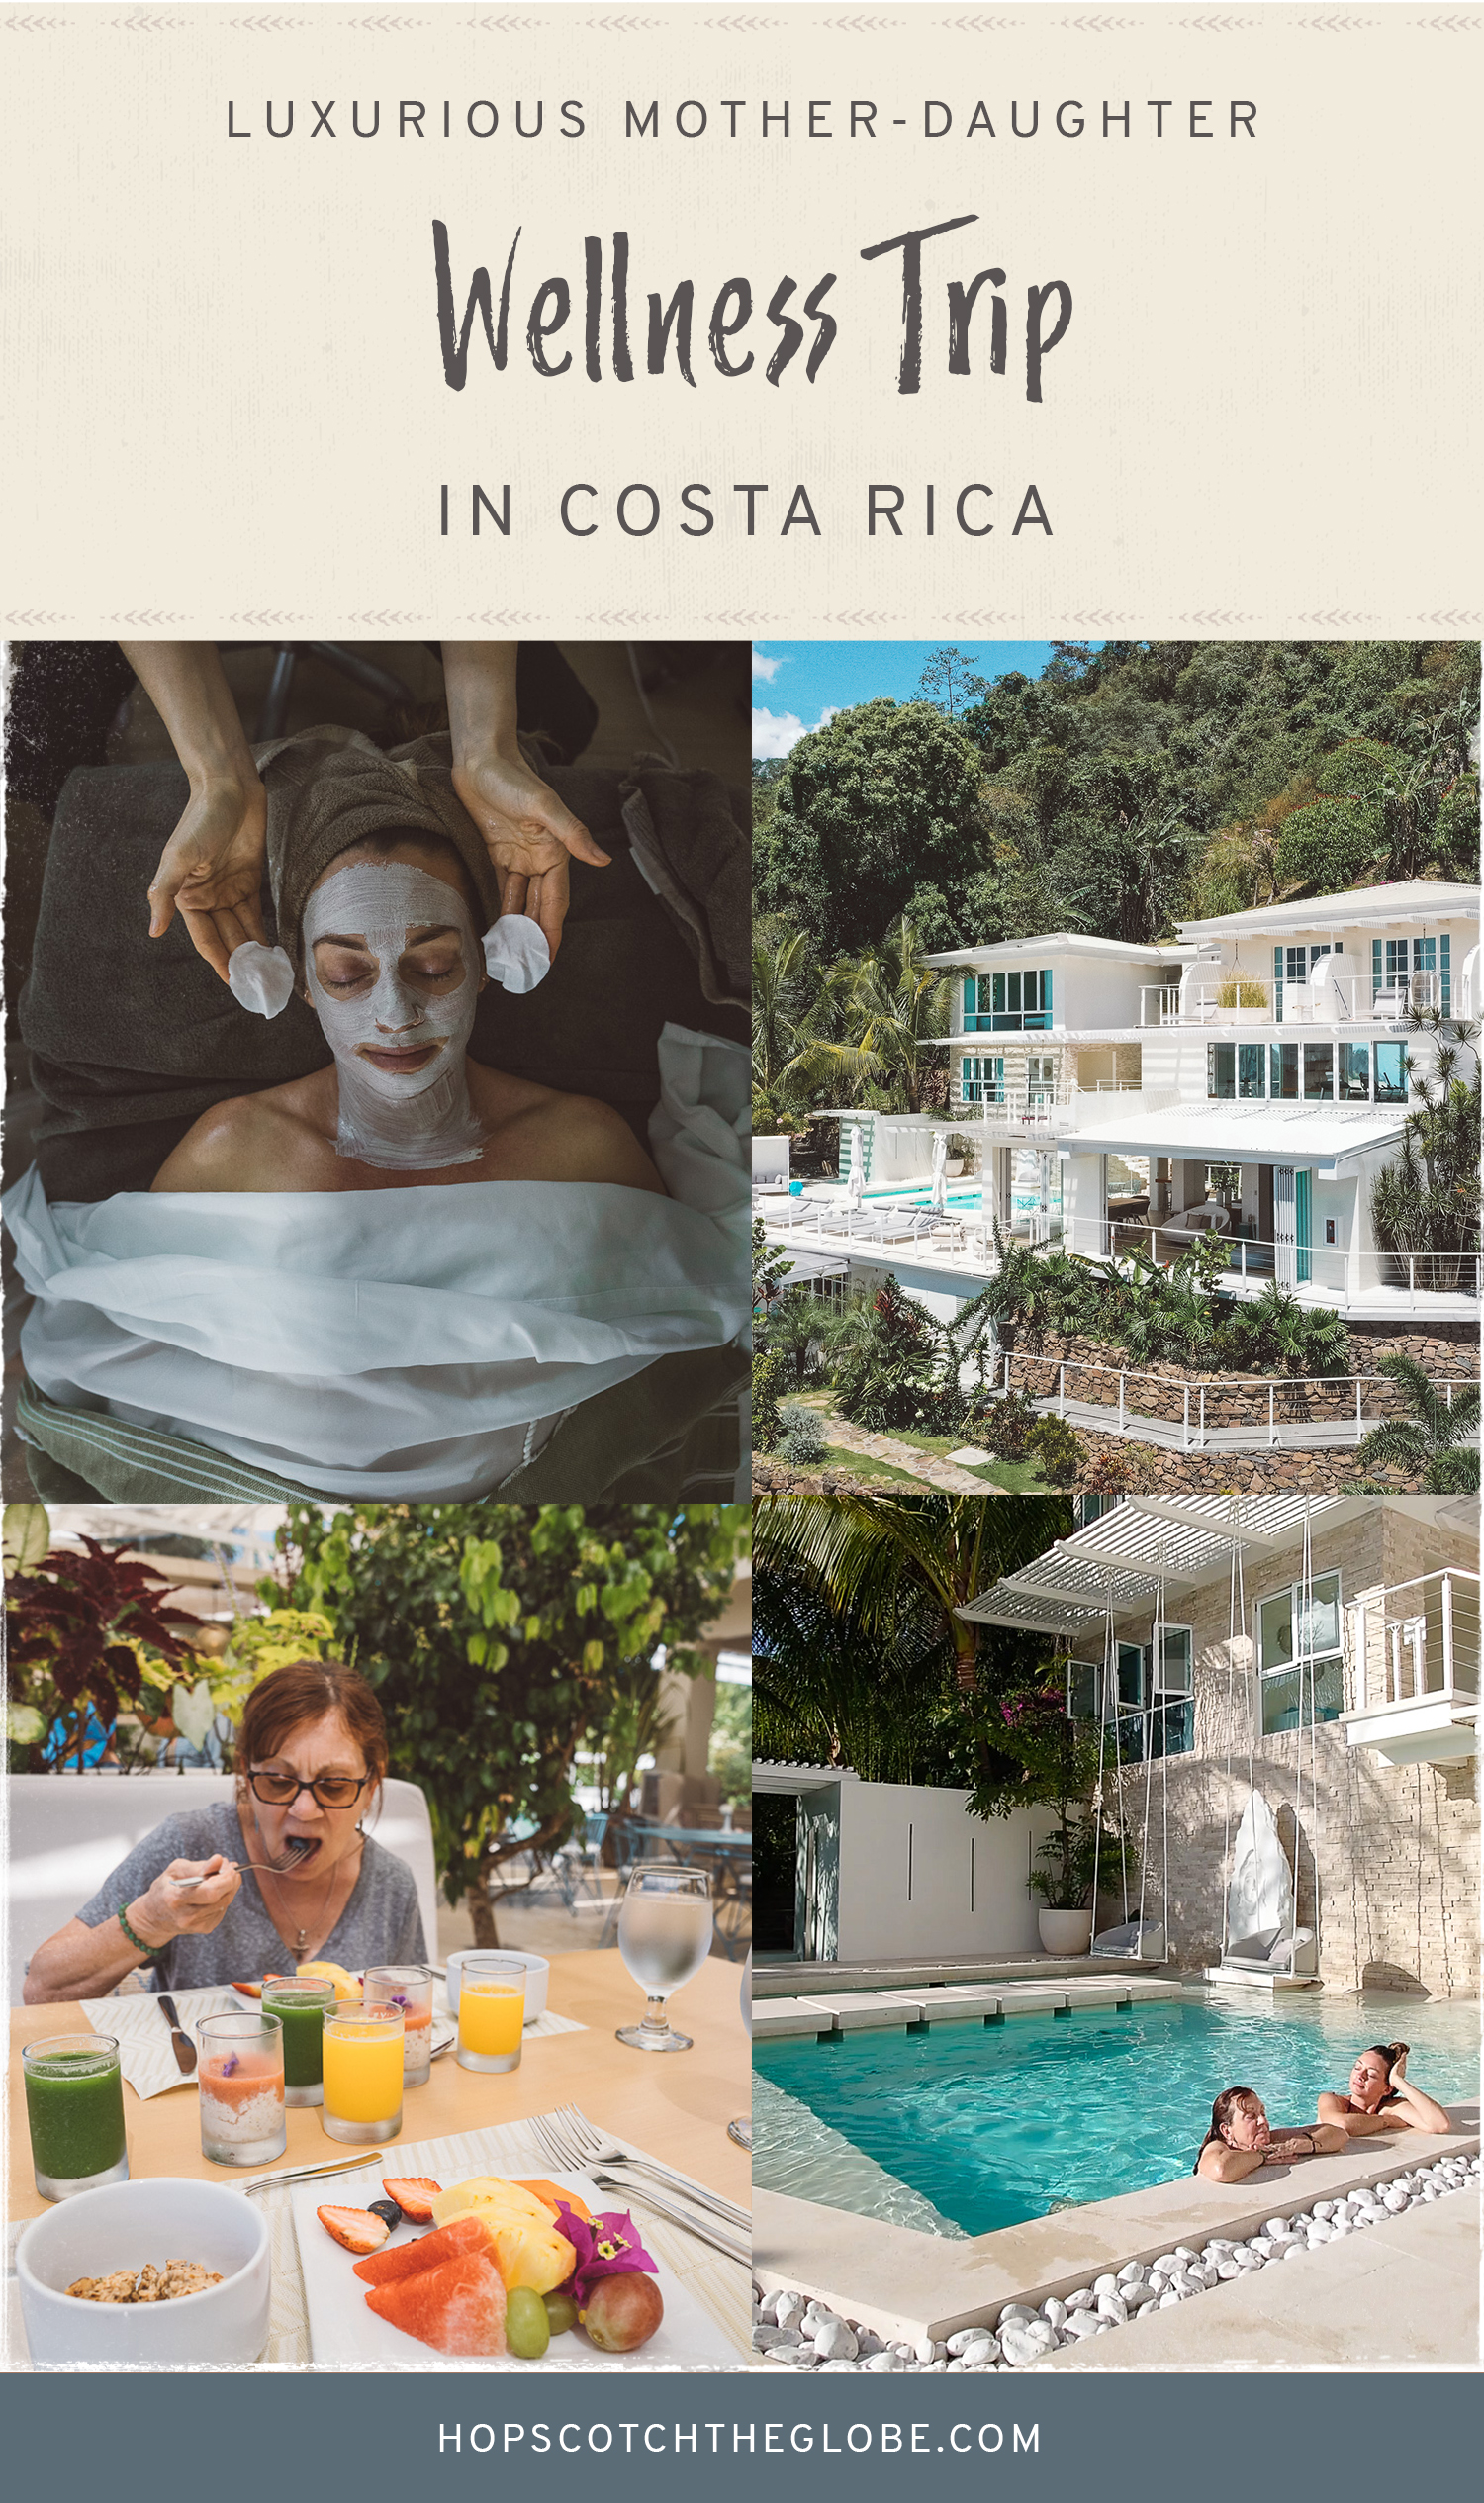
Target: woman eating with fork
(260,1883)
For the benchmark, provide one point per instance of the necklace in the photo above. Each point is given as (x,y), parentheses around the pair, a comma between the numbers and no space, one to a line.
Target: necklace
(300,1935)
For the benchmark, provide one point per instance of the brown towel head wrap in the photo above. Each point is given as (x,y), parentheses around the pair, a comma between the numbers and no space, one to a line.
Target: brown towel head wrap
(328,789)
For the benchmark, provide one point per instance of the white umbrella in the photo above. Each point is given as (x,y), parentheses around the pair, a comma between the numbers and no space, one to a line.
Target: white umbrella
(939,1201)
(855,1181)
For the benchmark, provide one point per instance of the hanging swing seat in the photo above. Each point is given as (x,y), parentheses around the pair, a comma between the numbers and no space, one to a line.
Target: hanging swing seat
(1141,1938)
(1272,1959)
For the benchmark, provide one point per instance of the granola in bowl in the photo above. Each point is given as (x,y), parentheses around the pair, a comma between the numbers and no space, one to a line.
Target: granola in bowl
(149,2285)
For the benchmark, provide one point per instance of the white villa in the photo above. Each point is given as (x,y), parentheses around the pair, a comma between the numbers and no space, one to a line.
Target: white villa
(1248,1077)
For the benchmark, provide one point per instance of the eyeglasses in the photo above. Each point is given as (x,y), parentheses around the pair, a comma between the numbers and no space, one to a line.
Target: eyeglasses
(332,1789)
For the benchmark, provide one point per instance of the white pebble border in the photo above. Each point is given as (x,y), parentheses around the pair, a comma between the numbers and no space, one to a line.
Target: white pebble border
(795,2329)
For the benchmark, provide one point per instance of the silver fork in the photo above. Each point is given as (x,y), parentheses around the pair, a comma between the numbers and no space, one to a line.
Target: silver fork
(574,2145)
(276,1867)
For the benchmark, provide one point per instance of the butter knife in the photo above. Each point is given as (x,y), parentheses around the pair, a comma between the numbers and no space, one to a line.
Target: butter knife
(180,2041)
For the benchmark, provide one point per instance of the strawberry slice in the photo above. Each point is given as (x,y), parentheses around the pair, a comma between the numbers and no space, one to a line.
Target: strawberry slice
(415,2195)
(355,2228)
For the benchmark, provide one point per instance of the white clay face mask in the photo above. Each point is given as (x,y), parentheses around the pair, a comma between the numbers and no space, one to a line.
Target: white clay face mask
(403,1119)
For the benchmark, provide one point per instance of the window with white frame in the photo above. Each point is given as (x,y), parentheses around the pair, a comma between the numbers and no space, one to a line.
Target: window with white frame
(1148,1703)
(1300,1656)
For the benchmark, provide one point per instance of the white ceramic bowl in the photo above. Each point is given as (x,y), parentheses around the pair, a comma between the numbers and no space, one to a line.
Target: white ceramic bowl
(537,1973)
(122,2227)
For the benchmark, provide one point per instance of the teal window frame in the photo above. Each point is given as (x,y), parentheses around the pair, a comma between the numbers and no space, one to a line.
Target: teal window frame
(1390,1074)
(1251,1070)
(1319,1072)
(1283,1067)
(1352,1081)
(1303,1223)
(1221,1073)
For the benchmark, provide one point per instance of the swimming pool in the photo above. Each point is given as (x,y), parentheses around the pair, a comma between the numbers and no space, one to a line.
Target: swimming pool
(964,2128)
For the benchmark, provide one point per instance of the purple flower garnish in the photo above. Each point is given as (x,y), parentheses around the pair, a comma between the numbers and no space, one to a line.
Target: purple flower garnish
(608,2248)
(399,1999)
(230,2064)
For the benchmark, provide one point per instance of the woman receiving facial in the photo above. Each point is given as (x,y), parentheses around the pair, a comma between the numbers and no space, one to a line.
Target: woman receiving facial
(1383,2097)
(393,969)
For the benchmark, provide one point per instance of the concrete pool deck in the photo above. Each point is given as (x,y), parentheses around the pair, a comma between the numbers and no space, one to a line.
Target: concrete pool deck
(827,2012)
(912,2286)
(1406,2292)
(786,1977)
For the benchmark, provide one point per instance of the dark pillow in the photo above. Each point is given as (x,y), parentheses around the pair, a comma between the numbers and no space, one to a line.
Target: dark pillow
(132,1039)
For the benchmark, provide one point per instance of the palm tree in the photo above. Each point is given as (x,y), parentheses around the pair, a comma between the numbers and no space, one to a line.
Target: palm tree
(866,1552)
(1431,1442)
(797,1046)
(1427,1200)
(899,1007)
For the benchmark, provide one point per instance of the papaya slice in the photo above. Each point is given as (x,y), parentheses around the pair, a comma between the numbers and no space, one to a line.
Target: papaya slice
(550,2196)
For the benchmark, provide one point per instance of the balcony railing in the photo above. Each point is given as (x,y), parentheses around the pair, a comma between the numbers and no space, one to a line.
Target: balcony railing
(1330,1267)
(1339,999)
(1415,1640)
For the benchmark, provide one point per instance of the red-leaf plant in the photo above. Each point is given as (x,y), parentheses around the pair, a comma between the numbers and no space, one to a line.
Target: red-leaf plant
(72,1622)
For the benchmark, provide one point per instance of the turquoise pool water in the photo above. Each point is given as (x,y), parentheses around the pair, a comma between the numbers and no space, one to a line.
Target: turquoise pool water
(985,2125)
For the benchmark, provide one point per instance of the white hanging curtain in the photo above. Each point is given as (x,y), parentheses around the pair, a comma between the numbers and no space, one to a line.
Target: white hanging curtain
(1259,1895)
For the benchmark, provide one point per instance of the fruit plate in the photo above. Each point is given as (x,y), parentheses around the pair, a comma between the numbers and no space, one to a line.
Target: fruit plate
(345,2331)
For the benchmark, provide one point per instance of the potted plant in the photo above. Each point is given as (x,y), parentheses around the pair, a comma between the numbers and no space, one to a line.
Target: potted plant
(960,1157)
(1059,1757)
(1243,1000)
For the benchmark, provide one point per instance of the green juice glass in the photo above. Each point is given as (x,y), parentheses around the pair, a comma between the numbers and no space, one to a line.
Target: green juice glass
(75,2104)
(299,2008)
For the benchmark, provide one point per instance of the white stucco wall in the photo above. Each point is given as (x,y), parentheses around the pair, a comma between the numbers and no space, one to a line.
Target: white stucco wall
(918,1875)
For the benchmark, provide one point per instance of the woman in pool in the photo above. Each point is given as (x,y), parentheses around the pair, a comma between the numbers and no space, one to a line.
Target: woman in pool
(1383,2097)
(1239,2140)
(312,1746)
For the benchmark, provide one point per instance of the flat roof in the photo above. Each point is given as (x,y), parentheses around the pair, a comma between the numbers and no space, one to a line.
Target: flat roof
(1067,941)
(1407,899)
(1326,1135)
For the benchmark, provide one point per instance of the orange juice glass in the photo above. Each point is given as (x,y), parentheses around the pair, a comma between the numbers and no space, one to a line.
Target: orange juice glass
(363,2057)
(492,2012)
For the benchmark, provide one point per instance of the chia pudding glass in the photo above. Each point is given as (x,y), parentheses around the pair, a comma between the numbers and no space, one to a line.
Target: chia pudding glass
(299,2008)
(241,2078)
(409,1986)
(75,2104)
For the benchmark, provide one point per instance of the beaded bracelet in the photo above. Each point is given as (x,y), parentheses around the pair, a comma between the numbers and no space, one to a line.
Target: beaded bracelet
(148,1953)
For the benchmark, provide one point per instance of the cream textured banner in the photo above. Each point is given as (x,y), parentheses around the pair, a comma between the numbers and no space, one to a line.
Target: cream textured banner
(1199,317)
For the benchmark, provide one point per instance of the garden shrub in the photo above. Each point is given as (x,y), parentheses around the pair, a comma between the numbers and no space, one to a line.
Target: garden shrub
(802,1438)
(768,1376)
(1056,1451)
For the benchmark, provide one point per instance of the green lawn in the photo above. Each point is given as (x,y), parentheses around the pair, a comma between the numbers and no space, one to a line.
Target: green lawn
(1017,1477)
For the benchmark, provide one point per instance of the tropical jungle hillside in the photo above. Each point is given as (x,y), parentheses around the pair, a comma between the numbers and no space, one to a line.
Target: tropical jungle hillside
(1125,788)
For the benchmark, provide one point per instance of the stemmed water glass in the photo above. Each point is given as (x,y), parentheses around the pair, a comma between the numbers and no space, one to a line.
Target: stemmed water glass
(663,1936)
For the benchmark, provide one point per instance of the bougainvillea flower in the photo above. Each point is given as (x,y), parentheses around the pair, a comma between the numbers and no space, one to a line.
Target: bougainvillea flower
(608,2248)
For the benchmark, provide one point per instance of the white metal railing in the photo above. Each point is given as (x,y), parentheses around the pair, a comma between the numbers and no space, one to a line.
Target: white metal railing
(1333,1267)
(1282,1408)
(1416,1640)
(1334,999)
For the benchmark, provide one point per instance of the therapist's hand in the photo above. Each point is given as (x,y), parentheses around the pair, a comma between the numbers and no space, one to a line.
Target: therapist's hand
(164,1912)
(528,833)
(211,872)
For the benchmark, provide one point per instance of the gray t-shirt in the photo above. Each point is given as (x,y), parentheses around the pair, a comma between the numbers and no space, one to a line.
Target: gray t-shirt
(380,1923)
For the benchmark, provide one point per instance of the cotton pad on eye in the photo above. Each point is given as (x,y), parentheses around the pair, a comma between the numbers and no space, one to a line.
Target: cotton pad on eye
(516,952)
(260,979)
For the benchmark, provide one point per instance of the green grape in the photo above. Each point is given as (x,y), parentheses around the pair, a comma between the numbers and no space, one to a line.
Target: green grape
(527,2328)
(561,2312)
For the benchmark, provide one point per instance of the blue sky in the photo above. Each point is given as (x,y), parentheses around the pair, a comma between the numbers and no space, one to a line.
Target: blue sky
(797,685)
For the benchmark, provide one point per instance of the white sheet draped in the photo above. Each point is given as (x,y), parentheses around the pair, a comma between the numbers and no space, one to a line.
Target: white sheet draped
(400,1341)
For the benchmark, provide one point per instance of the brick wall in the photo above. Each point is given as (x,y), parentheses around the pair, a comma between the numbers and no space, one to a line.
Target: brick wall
(1395,1847)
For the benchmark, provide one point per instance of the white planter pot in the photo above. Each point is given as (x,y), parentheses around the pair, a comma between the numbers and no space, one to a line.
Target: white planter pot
(1065,1933)
(954,1167)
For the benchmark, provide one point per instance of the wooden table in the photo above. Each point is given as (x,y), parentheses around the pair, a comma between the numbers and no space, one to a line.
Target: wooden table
(676,2106)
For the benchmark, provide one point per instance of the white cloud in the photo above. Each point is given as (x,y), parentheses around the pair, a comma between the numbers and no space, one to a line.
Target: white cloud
(775,733)
(767,665)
